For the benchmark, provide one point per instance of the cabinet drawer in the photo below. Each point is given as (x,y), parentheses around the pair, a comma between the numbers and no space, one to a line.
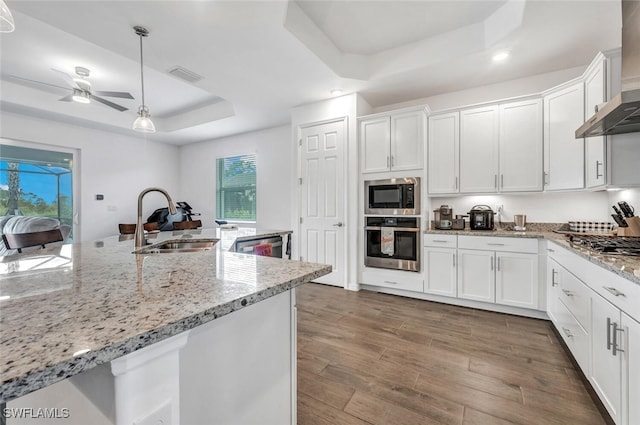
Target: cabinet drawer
(406,281)
(496,243)
(576,297)
(576,338)
(440,241)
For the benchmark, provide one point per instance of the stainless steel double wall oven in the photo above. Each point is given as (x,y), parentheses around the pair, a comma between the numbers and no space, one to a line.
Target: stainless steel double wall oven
(392,235)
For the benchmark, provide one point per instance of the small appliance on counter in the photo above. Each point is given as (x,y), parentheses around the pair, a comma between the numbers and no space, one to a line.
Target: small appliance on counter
(519,222)
(443,217)
(458,222)
(481,217)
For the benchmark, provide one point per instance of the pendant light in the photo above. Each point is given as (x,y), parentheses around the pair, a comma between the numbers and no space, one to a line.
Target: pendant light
(143,123)
(6,18)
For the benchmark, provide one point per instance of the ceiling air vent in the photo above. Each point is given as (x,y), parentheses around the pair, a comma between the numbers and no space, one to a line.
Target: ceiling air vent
(185,74)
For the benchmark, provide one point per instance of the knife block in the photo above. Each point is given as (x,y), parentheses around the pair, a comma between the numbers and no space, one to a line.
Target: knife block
(633,229)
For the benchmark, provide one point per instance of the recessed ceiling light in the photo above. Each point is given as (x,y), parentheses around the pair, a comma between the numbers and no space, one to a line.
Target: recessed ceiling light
(499,57)
(336,92)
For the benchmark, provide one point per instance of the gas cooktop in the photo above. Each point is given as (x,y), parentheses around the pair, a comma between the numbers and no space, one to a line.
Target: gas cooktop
(610,245)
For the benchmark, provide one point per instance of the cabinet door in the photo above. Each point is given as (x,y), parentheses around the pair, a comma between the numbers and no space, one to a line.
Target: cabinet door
(476,275)
(517,279)
(444,145)
(632,372)
(564,157)
(374,145)
(440,269)
(606,368)
(479,150)
(521,146)
(407,139)
(594,95)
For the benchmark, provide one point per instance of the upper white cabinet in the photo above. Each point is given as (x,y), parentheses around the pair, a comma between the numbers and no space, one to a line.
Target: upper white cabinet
(489,149)
(595,93)
(521,146)
(392,142)
(479,131)
(564,154)
(443,153)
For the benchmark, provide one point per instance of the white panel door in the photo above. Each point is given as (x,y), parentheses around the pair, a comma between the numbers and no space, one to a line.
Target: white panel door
(444,145)
(476,275)
(479,133)
(322,197)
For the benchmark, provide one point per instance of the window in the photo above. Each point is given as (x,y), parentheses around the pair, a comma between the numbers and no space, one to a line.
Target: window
(36,182)
(236,188)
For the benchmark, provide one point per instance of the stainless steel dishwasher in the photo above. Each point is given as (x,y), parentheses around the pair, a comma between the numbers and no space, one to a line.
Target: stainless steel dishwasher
(248,246)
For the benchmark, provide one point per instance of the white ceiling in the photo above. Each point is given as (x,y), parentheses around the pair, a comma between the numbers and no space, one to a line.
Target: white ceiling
(259,59)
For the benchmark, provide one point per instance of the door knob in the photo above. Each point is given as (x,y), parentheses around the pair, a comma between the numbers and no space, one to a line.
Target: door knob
(338,224)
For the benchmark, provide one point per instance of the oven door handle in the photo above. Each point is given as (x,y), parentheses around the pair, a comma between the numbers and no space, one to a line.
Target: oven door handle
(395,229)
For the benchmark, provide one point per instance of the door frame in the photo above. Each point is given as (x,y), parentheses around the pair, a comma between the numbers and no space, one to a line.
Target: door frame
(298,192)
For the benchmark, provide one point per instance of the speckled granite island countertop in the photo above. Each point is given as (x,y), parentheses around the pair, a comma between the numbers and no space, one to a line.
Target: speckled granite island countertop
(626,266)
(65,310)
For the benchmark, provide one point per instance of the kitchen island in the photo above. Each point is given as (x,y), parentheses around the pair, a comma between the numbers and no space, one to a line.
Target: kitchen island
(143,337)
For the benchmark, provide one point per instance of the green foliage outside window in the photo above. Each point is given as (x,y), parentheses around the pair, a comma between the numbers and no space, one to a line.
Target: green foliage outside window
(236,188)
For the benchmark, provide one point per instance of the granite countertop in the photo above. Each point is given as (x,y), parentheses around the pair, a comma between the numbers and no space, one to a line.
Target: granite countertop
(626,266)
(65,310)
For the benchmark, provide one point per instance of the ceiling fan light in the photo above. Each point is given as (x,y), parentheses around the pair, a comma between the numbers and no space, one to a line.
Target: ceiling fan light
(143,123)
(6,18)
(80,96)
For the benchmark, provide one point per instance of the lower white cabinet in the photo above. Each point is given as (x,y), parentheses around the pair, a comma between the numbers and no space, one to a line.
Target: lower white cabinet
(606,355)
(440,271)
(596,313)
(499,270)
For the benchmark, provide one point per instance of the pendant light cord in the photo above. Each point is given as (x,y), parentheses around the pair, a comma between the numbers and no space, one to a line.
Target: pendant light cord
(141,71)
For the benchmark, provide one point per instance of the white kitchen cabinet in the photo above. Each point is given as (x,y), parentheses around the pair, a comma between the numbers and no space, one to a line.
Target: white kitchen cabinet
(595,93)
(564,154)
(631,371)
(479,147)
(606,360)
(440,260)
(476,275)
(392,142)
(499,270)
(443,153)
(521,146)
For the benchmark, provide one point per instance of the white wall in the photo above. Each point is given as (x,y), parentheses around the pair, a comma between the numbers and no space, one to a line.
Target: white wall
(114,165)
(275,167)
(545,207)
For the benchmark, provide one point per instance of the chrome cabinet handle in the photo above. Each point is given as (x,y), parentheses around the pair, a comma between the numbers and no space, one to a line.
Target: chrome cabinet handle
(388,164)
(495,181)
(439,241)
(391,282)
(551,250)
(614,291)
(614,345)
(502,181)
(567,332)
(338,224)
(554,272)
(454,259)
(609,343)
(496,244)
(392,160)
(567,293)
(498,268)
(598,164)
(456,183)
(491,263)
(545,178)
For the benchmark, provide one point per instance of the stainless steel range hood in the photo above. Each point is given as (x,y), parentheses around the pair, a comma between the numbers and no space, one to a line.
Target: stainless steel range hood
(622,113)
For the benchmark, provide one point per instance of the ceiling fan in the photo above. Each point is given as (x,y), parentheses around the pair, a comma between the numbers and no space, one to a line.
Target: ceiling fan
(81,89)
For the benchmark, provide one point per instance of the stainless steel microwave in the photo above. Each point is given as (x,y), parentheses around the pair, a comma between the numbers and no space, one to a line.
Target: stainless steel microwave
(400,196)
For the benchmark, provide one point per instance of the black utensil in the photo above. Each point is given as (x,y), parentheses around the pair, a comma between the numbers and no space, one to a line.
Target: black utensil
(626,209)
(617,210)
(618,219)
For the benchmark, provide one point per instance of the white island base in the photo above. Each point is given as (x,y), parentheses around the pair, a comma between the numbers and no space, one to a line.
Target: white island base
(237,369)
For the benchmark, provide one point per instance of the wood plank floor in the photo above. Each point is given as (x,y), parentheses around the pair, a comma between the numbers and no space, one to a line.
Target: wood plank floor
(370,358)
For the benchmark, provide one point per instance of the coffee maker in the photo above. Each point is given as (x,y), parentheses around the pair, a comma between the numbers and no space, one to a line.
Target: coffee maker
(443,217)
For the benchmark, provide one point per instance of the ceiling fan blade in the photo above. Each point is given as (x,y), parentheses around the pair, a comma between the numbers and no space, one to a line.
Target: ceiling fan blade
(66,77)
(68,98)
(38,84)
(121,94)
(108,103)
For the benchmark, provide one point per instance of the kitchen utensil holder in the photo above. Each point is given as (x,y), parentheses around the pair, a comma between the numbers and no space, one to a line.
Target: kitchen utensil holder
(633,229)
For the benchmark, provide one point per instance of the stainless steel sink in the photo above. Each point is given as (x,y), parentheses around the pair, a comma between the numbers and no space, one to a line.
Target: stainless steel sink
(178,246)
